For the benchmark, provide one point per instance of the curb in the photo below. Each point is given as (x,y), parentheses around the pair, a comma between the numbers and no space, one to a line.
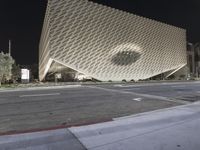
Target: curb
(39,88)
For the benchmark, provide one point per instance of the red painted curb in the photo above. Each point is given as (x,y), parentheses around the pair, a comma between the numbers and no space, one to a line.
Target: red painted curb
(54,128)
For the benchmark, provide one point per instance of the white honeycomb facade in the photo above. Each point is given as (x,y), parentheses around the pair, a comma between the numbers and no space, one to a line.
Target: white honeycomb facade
(108,44)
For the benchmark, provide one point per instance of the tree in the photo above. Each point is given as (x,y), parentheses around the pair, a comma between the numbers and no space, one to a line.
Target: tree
(6,62)
(16,72)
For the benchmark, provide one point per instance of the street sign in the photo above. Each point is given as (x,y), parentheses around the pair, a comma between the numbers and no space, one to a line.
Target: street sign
(25,75)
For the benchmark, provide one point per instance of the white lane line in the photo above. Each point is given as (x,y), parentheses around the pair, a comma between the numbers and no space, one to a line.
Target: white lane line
(38,95)
(178,86)
(140,94)
(137,99)
(131,89)
(126,85)
(118,85)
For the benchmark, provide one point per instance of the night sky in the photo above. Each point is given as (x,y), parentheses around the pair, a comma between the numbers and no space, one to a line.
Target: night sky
(22,20)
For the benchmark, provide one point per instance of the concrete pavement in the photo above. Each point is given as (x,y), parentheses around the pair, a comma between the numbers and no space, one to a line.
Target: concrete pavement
(169,129)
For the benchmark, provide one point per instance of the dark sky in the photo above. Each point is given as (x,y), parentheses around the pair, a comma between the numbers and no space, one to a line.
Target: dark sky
(21,21)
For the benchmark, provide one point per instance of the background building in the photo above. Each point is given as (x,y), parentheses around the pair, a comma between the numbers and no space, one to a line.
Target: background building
(193,58)
(108,44)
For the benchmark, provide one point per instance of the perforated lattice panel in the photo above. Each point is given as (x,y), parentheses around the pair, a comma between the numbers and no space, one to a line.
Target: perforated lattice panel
(108,44)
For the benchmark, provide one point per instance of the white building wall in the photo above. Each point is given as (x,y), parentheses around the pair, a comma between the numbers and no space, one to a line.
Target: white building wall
(109,44)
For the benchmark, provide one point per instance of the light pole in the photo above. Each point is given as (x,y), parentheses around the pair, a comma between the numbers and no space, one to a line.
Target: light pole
(9,47)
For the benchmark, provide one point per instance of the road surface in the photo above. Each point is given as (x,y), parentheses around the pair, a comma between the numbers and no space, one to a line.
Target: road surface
(40,109)
(176,128)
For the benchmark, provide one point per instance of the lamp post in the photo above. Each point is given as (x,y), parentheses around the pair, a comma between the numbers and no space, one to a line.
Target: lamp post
(9,47)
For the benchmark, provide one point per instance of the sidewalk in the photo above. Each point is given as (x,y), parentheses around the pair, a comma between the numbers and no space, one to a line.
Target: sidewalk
(37,88)
(168,129)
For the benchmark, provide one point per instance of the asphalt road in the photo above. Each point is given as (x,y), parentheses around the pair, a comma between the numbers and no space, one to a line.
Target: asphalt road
(187,91)
(28,110)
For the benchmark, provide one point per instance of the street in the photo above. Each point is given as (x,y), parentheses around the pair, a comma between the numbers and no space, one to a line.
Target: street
(40,109)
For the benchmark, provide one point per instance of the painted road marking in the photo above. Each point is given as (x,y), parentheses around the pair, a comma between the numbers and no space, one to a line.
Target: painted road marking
(38,95)
(131,89)
(142,95)
(178,86)
(137,99)
(118,85)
